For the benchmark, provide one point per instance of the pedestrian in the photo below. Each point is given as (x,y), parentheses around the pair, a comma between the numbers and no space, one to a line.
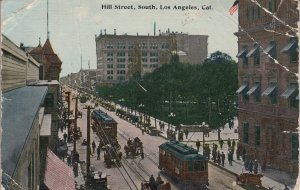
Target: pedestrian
(223,158)
(186,132)
(208,151)
(219,157)
(221,143)
(93,146)
(163,126)
(286,187)
(229,143)
(230,158)
(233,144)
(198,144)
(69,159)
(152,183)
(98,152)
(160,126)
(65,136)
(263,166)
(250,166)
(255,167)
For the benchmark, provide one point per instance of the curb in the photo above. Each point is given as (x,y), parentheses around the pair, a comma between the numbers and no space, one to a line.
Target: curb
(223,168)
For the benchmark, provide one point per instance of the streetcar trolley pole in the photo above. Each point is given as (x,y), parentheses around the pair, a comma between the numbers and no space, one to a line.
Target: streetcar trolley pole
(88,149)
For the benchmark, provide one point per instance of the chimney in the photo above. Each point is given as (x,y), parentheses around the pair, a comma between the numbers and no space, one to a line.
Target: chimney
(22,46)
(115,32)
(100,32)
(104,31)
(148,34)
(137,34)
(154,28)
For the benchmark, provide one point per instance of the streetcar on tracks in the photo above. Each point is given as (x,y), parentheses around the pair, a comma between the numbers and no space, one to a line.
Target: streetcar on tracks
(105,127)
(184,164)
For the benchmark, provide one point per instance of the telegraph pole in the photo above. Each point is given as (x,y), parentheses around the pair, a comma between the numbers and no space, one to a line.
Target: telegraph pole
(88,148)
(68,114)
(75,124)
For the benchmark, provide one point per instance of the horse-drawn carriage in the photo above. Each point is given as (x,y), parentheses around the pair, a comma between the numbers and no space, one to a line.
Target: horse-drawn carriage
(162,186)
(112,156)
(249,179)
(134,148)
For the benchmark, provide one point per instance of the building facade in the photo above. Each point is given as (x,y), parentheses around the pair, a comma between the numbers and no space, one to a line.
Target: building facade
(268,100)
(118,56)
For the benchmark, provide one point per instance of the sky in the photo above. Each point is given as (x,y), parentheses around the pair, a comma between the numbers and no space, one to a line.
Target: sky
(73,24)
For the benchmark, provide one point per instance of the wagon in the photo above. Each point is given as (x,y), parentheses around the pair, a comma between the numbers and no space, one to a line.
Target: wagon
(249,179)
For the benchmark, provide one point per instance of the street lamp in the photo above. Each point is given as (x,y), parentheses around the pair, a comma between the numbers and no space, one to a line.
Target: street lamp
(205,129)
(171,116)
(141,106)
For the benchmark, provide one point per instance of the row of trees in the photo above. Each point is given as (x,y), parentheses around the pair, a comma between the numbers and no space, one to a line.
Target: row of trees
(194,93)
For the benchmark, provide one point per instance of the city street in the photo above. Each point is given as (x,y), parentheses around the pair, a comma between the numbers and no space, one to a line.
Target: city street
(134,171)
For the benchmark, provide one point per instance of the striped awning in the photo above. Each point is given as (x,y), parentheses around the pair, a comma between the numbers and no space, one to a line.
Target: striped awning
(289,91)
(242,88)
(58,175)
(271,88)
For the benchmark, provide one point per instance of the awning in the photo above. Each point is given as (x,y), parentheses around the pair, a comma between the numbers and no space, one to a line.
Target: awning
(242,53)
(251,53)
(58,175)
(253,89)
(242,88)
(270,47)
(291,46)
(289,91)
(269,90)
(46,126)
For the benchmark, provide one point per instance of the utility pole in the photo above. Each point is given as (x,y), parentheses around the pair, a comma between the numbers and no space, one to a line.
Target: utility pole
(75,124)
(88,148)
(68,114)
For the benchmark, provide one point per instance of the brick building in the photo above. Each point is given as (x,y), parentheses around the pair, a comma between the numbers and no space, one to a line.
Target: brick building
(50,63)
(117,53)
(268,101)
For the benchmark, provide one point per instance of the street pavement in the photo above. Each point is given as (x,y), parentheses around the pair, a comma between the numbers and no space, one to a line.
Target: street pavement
(272,178)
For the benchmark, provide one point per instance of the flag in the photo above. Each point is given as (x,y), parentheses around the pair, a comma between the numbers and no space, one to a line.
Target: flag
(234,7)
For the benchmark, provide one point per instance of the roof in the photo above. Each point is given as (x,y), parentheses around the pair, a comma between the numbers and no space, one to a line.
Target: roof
(24,103)
(58,175)
(44,83)
(181,151)
(103,116)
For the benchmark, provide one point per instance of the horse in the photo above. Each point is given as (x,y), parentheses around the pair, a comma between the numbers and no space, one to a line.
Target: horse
(165,186)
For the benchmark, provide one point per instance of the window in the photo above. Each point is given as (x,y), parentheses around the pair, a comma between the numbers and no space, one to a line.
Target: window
(121,46)
(257,135)
(145,60)
(144,54)
(153,46)
(130,45)
(291,94)
(121,72)
(121,77)
(109,59)
(144,45)
(49,100)
(245,132)
(164,45)
(295,146)
(153,60)
(153,54)
(109,77)
(110,72)
(109,46)
(109,54)
(121,54)
(293,56)
(255,91)
(110,66)
(271,91)
(272,6)
(121,66)
(256,57)
(121,60)
(243,55)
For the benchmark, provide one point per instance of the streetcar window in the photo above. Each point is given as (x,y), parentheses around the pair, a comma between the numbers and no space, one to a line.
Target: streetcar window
(196,166)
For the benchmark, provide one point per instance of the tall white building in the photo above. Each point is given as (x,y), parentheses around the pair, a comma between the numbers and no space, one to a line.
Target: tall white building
(117,53)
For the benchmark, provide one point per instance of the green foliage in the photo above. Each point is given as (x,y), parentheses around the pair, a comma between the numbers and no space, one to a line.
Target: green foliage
(195,93)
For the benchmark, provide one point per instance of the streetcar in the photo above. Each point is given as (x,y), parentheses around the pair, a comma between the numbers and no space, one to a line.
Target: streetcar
(184,164)
(105,127)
